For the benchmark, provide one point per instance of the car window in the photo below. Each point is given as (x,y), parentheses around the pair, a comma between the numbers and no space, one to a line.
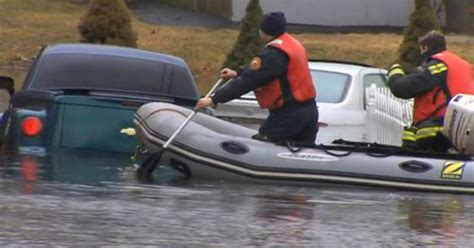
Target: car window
(380,80)
(113,72)
(249,96)
(331,87)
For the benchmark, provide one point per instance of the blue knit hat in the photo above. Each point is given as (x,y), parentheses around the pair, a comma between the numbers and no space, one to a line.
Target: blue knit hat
(273,23)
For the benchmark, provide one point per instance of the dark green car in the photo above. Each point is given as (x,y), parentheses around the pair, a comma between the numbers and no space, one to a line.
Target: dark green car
(81,95)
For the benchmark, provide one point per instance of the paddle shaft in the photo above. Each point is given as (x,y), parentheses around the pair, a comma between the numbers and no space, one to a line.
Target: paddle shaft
(181,127)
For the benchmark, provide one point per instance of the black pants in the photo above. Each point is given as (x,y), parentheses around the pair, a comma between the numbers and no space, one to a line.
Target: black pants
(435,142)
(294,122)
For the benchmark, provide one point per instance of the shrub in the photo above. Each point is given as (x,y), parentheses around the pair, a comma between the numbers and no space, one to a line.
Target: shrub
(248,42)
(107,22)
(422,20)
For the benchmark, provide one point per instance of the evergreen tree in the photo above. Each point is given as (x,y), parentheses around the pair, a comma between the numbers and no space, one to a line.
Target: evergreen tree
(107,22)
(422,20)
(248,42)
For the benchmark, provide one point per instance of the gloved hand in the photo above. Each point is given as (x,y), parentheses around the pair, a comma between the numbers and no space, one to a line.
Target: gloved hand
(395,69)
(395,66)
(227,73)
(203,103)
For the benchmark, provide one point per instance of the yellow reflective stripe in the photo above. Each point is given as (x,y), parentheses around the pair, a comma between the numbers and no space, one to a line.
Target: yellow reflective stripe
(409,138)
(427,132)
(409,135)
(422,133)
(425,135)
(438,68)
(442,67)
(396,71)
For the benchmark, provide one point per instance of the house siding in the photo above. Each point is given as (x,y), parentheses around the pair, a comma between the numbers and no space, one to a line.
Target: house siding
(222,8)
(335,12)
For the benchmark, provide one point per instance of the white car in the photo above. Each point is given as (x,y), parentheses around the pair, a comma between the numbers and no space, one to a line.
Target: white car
(340,98)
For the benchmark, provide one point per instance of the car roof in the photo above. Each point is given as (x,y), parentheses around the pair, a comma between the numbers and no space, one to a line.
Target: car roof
(342,66)
(110,50)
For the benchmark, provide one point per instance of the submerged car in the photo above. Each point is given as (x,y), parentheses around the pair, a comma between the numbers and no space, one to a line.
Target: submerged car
(82,95)
(340,98)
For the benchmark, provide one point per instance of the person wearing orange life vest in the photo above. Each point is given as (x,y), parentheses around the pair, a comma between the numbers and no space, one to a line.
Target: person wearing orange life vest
(280,77)
(440,76)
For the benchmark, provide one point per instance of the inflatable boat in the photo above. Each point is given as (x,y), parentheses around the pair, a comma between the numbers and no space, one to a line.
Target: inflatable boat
(210,148)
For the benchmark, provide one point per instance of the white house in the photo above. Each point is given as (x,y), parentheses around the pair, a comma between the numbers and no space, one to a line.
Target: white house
(393,13)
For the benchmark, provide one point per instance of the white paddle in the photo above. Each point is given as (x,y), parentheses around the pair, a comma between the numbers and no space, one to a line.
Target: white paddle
(149,165)
(181,127)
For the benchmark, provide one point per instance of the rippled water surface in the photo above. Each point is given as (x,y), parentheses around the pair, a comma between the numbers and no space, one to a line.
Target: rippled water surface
(90,200)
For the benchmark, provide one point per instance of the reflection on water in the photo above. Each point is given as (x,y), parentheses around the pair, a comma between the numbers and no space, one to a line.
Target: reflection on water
(442,218)
(89,199)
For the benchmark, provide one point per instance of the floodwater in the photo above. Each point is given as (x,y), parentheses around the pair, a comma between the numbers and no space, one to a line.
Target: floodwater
(90,199)
(85,199)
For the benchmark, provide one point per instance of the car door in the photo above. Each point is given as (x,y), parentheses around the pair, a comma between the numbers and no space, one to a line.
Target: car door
(339,105)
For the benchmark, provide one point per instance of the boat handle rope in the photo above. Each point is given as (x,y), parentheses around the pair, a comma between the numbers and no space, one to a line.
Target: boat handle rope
(165,109)
(324,149)
(381,155)
(372,154)
(295,147)
(292,147)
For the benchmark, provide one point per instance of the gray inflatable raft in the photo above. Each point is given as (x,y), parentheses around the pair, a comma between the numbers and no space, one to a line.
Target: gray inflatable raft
(210,148)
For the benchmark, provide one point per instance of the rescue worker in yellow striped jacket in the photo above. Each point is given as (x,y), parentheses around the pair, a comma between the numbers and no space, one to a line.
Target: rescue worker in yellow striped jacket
(440,76)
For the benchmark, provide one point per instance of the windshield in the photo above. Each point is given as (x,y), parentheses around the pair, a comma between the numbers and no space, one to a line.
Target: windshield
(331,87)
(99,72)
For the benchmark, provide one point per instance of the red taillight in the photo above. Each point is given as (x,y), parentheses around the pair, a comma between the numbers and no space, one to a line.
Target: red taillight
(31,126)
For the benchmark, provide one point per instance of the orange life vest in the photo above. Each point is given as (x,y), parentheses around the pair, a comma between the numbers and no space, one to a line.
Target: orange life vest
(459,80)
(301,83)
